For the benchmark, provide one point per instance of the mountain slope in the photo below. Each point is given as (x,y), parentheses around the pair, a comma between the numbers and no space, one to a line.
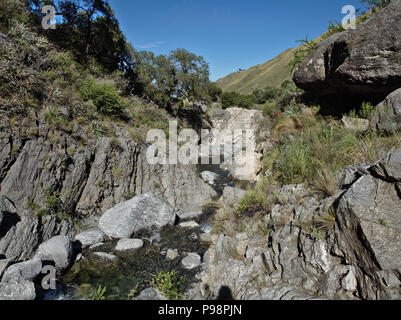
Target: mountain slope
(271,73)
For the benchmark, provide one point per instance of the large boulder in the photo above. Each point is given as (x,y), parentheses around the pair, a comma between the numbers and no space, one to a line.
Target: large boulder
(27,270)
(59,250)
(138,214)
(357,65)
(387,116)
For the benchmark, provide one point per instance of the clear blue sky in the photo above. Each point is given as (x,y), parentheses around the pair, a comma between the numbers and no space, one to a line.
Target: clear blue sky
(229,34)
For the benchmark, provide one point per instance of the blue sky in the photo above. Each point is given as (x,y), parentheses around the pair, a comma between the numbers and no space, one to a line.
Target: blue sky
(229,34)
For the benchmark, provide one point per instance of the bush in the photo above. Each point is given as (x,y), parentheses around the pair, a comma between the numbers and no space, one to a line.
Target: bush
(104,96)
(235,99)
(169,283)
(270,109)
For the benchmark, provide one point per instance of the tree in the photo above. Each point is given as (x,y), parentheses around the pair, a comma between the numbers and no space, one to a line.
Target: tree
(375,4)
(191,74)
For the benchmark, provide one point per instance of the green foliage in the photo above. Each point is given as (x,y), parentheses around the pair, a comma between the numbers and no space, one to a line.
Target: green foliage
(375,4)
(255,199)
(104,96)
(52,205)
(98,294)
(365,111)
(302,53)
(167,80)
(271,109)
(235,99)
(334,27)
(169,283)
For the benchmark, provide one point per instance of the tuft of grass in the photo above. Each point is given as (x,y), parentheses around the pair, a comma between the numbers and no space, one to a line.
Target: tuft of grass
(324,183)
(257,199)
(98,294)
(326,221)
(169,283)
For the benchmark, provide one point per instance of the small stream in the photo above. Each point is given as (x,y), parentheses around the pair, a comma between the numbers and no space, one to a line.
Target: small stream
(133,270)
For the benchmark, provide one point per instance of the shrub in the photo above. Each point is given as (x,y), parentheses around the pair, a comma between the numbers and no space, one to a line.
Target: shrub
(104,96)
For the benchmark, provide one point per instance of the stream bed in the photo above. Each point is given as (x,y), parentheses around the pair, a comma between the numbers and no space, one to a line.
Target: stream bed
(130,272)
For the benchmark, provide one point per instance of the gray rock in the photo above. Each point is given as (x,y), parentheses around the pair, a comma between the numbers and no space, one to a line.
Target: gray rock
(4,263)
(355,124)
(370,206)
(191,261)
(231,196)
(92,183)
(189,224)
(189,213)
(205,238)
(17,290)
(28,270)
(387,116)
(129,244)
(349,282)
(172,254)
(140,213)
(389,168)
(151,294)
(58,249)
(21,232)
(90,237)
(231,124)
(209,177)
(358,64)
(106,256)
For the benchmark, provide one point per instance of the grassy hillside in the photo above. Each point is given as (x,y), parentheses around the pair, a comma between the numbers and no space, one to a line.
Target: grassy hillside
(271,73)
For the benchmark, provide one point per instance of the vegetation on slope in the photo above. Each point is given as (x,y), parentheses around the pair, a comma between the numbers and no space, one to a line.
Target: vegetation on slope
(271,73)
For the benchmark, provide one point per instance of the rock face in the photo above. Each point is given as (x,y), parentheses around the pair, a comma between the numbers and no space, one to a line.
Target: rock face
(231,125)
(355,256)
(357,65)
(387,116)
(21,232)
(140,213)
(89,180)
(58,249)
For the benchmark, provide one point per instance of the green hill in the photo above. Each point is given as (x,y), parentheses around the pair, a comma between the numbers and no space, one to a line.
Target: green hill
(271,73)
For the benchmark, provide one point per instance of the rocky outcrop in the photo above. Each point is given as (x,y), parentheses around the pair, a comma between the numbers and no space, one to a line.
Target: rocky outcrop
(387,115)
(356,65)
(91,177)
(231,125)
(301,251)
(21,232)
(141,213)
